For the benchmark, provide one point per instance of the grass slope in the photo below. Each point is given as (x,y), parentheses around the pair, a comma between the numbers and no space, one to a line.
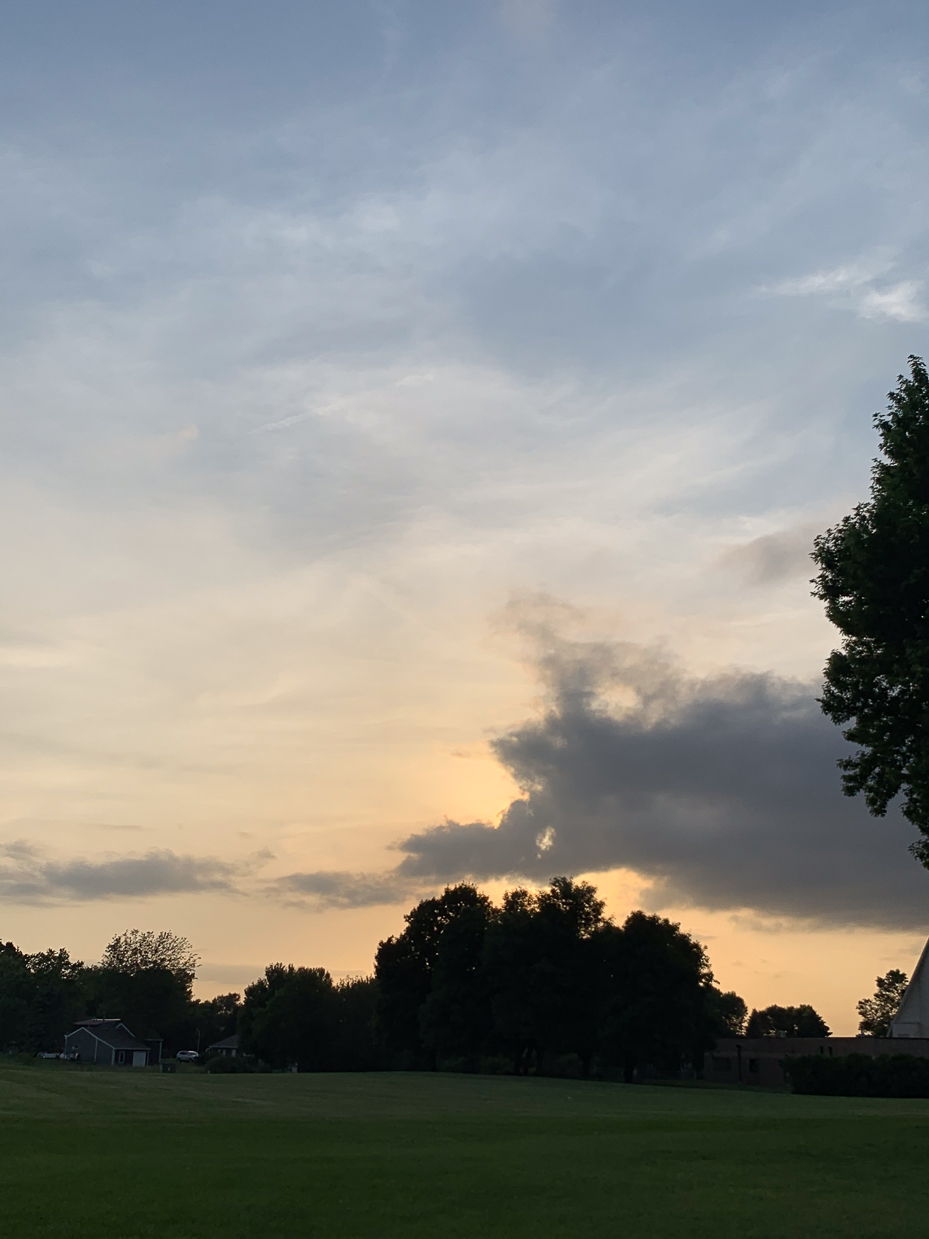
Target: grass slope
(192,1156)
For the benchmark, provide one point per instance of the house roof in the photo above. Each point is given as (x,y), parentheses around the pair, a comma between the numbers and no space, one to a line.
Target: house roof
(111,1032)
(228,1043)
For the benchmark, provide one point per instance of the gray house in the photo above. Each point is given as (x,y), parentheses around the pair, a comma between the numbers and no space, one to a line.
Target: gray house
(227,1048)
(110,1042)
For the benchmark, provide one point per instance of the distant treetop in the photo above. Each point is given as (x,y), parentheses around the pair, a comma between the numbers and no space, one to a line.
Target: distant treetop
(139,949)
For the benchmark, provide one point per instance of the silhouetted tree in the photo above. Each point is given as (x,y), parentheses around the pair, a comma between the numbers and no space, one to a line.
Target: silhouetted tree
(40,997)
(404,970)
(138,950)
(727,1012)
(215,1019)
(874,579)
(355,1041)
(800,1021)
(146,980)
(542,972)
(288,1017)
(877,1012)
(544,978)
(658,995)
(455,1018)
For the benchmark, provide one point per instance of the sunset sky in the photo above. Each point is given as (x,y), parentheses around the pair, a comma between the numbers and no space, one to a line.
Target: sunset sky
(417,418)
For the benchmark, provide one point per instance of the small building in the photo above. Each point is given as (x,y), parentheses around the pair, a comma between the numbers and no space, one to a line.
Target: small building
(111,1043)
(757,1060)
(912,1018)
(227,1048)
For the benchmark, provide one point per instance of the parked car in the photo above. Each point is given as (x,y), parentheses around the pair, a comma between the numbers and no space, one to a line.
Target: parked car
(187,1056)
(47,1054)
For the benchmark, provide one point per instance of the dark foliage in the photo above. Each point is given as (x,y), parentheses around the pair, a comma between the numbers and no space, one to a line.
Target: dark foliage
(728,1012)
(40,997)
(874,579)
(659,997)
(214,1019)
(800,1021)
(355,1047)
(543,981)
(857,1075)
(146,980)
(141,950)
(404,968)
(225,1065)
(298,1017)
(877,1012)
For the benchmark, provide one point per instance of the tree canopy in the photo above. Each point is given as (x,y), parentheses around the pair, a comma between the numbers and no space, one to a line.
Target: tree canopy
(543,979)
(140,949)
(877,1012)
(801,1021)
(874,579)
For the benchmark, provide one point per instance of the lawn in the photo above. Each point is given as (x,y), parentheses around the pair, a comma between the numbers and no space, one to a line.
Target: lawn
(191,1156)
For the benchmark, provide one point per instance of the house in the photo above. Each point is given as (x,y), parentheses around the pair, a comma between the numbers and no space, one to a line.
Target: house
(912,1018)
(110,1042)
(227,1048)
(757,1060)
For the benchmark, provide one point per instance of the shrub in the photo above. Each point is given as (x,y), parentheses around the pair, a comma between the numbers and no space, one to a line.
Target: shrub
(859,1075)
(226,1065)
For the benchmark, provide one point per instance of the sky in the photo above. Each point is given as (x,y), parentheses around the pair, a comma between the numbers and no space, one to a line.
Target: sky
(417,419)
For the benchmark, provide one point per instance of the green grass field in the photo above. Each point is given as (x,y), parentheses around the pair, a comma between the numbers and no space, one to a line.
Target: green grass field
(194,1156)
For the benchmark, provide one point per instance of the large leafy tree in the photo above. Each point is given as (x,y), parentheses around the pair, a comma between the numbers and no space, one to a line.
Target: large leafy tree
(405,968)
(541,965)
(289,1016)
(874,579)
(146,979)
(660,1004)
(137,950)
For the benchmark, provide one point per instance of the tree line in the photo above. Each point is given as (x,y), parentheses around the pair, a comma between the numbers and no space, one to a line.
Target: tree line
(144,978)
(543,983)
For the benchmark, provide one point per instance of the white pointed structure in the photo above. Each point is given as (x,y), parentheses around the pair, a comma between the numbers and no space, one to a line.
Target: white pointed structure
(912,1018)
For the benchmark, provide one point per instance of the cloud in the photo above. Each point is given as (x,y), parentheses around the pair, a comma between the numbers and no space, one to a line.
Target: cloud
(332,888)
(900,302)
(858,287)
(720,792)
(773,557)
(28,875)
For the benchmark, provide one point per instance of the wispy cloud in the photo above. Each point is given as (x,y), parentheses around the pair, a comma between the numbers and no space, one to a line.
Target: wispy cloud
(773,557)
(863,287)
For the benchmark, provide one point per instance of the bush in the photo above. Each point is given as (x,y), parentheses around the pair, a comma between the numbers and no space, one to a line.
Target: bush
(859,1075)
(225,1064)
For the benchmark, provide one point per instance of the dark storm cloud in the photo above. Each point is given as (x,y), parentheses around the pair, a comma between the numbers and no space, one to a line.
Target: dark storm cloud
(27,875)
(722,792)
